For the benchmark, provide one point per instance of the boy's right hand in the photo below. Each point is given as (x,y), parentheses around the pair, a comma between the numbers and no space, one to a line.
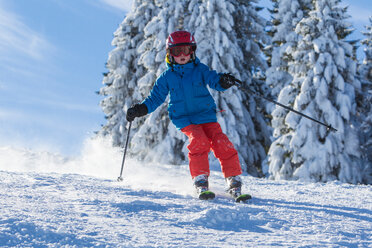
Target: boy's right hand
(137,110)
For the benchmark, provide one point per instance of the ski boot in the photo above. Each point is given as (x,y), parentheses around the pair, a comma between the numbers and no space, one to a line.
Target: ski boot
(235,189)
(201,184)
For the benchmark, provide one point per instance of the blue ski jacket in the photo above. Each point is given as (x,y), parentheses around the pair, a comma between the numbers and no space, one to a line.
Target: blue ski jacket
(190,101)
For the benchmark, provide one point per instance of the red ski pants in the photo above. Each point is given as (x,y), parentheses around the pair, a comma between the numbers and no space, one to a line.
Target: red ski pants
(204,137)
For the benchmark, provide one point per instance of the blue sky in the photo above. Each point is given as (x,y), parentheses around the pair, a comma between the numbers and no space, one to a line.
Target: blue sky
(52,56)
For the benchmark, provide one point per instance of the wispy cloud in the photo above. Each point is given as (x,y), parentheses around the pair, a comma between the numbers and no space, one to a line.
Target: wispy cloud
(66,105)
(18,39)
(125,5)
(6,114)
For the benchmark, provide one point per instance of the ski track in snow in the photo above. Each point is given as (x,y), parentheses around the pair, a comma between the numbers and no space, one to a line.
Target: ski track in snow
(49,201)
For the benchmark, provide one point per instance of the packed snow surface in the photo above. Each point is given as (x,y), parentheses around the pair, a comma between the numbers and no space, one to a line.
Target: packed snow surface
(51,201)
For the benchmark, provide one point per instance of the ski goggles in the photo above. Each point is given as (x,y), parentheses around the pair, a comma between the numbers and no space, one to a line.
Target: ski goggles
(176,51)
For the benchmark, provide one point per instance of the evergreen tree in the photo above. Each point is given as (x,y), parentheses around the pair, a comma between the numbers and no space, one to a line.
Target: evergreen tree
(251,39)
(214,24)
(157,139)
(323,72)
(365,105)
(120,83)
(366,69)
(285,17)
(225,46)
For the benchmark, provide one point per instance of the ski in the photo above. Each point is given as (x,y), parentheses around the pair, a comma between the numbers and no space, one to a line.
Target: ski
(242,198)
(207,195)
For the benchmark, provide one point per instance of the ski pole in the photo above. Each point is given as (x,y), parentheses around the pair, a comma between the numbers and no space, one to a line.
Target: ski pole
(240,86)
(120,178)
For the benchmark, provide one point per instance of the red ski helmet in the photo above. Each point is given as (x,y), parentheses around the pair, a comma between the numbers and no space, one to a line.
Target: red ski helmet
(181,38)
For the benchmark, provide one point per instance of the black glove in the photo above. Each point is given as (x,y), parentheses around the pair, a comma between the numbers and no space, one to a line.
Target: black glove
(227,80)
(137,110)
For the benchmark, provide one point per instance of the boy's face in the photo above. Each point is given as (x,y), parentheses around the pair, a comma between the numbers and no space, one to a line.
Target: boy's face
(182,59)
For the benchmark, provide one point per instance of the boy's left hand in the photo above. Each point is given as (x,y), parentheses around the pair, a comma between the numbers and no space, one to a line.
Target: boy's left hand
(227,80)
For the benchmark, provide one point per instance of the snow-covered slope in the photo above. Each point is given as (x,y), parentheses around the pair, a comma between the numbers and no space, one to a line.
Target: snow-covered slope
(50,201)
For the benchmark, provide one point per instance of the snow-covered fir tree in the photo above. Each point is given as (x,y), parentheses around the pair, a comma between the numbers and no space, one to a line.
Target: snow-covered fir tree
(323,72)
(365,105)
(157,139)
(285,17)
(249,27)
(365,70)
(225,45)
(214,24)
(120,89)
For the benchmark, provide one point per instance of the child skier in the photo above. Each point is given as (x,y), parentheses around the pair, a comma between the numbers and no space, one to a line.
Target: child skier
(193,110)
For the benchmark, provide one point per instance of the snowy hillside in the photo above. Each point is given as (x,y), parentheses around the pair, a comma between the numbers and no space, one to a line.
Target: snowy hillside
(51,201)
